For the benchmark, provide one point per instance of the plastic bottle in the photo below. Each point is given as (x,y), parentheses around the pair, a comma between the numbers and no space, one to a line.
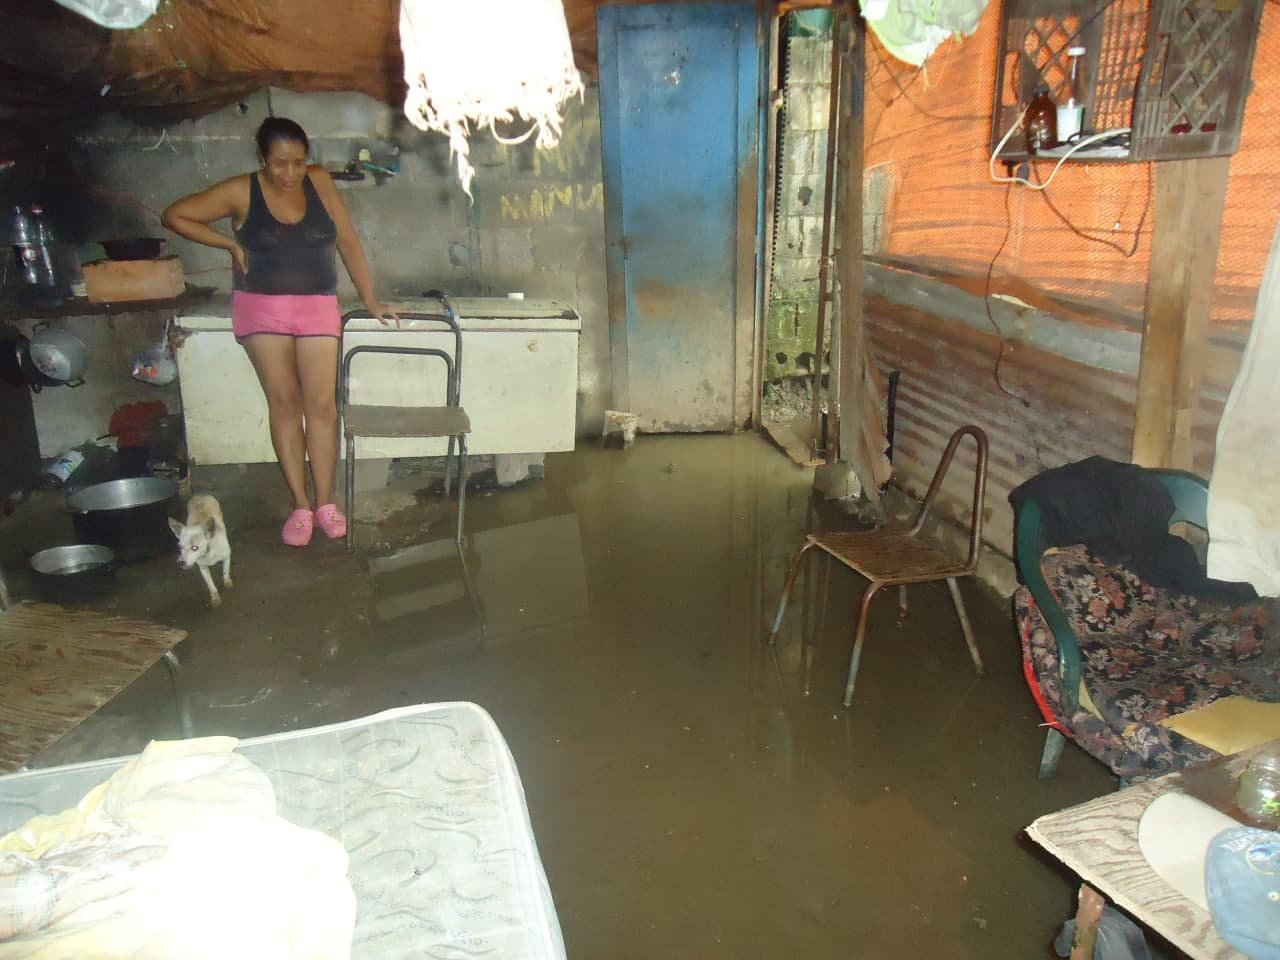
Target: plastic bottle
(47,247)
(60,468)
(1259,791)
(96,461)
(1040,123)
(1071,98)
(25,251)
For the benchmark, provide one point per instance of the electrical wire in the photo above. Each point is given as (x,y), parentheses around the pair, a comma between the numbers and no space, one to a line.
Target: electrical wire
(1073,149)
(1105,241)
(903,92)
(986,299)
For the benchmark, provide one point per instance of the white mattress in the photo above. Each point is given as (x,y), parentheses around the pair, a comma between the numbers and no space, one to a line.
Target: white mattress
(429,806)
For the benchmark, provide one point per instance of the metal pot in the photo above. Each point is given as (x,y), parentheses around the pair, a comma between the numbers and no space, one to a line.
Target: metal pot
(59,356)
(129,516)
(49,358)
(74,574)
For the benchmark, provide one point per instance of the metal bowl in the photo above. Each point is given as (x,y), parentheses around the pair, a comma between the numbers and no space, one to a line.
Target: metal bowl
(68,561)
(74,574)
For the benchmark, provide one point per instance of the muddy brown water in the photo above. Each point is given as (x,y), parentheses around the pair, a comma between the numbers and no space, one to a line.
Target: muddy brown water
(689,799)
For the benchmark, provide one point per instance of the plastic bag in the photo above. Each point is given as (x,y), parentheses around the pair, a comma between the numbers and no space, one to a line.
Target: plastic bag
(113,14)
(156,365)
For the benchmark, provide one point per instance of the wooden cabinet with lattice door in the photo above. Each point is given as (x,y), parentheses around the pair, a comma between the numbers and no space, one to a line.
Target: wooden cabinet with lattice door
(1172,74)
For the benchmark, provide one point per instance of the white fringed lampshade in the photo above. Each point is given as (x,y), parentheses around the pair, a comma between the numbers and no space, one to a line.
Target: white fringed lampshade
(472,63)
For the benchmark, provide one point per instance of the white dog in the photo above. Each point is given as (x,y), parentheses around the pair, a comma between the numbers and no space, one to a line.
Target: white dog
(202,542)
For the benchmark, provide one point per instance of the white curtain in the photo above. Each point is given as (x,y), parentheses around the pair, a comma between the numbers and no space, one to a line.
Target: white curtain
(1244,493)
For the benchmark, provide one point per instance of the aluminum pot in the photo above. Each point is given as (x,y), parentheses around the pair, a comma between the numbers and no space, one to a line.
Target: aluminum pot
(74,574)
(130,516)
(49,358)
(59,356)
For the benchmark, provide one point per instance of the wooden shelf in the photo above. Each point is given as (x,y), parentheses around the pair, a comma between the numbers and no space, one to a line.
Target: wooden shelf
(81,307)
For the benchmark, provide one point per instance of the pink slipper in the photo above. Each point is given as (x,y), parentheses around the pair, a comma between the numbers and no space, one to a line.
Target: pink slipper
(331,521)
(297,529)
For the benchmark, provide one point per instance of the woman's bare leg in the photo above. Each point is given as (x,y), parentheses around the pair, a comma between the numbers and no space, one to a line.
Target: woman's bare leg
(318,375)
(276,361)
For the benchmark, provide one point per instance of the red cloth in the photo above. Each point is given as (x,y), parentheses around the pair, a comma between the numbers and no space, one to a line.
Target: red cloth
(132,423)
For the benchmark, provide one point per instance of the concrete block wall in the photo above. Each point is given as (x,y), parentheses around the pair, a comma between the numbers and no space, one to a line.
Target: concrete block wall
(793,298)
(536,224)
(877,191)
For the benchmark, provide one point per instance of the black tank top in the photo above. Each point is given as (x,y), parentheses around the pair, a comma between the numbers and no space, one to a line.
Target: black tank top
(288,258)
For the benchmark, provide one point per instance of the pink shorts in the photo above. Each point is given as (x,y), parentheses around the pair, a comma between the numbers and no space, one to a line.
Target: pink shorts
(286,315)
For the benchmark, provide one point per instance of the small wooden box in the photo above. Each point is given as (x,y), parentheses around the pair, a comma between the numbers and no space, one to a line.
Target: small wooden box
(116,281)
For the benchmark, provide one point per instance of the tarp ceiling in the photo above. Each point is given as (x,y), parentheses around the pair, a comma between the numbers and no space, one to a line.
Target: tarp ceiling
(194,56)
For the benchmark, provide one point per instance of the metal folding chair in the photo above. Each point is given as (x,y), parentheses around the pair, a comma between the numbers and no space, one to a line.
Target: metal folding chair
(368,420)
(899,557)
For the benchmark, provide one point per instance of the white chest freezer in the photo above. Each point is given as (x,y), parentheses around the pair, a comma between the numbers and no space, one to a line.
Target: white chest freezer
(519,384)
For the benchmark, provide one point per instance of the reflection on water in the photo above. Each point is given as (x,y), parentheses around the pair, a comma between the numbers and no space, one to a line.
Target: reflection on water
(531,576)
(424,594)
(502,584)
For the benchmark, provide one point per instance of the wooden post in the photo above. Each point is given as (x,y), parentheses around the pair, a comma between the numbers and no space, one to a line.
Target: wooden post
(1189,199)
(818,443)
(853,357)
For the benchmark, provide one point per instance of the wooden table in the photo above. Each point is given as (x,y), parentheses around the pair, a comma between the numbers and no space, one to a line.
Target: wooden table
(1099,841)
(58,666)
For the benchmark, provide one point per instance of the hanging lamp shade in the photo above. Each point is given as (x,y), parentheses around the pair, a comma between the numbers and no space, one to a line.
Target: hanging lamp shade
(473,64)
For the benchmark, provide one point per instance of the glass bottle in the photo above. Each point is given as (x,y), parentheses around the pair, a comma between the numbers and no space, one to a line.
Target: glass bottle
(1071,98)
(1259,791)
(1040,123)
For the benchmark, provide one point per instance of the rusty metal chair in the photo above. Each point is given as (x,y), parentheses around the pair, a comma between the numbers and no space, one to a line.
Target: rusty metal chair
(900,557)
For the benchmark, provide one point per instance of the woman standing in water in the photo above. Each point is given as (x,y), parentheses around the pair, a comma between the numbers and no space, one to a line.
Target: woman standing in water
(287,222)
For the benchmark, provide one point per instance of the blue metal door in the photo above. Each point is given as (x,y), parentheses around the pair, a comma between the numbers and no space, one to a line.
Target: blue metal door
(679,89)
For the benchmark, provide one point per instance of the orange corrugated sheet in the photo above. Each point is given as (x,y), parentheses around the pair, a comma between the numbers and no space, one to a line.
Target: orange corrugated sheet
(932,128)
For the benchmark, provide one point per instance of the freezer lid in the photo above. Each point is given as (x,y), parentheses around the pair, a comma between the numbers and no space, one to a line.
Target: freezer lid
(488,314)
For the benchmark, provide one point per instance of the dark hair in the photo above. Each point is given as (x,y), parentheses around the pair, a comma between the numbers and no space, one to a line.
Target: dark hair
(280,128)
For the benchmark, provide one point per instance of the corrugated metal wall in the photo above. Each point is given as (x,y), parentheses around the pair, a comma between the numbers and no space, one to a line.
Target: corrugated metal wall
(1045,410)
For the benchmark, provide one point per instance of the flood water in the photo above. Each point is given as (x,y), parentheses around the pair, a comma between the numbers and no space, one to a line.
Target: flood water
(689,797)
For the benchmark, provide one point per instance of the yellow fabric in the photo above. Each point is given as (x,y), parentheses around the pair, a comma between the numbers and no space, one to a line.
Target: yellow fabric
(37,835)
(145,786)
(211,870)
(1229,725)
(1086,701)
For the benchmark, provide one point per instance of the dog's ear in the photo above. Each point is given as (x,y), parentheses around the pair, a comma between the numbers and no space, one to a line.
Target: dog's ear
(211,525)
(176,527)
